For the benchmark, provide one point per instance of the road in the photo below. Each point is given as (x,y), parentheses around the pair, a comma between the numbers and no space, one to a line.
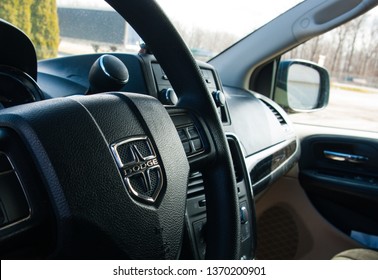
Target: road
(346,109)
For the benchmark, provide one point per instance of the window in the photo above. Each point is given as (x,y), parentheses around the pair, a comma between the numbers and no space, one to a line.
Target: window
(350,54)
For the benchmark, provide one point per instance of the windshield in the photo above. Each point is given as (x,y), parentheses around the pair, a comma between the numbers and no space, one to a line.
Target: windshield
(73,27)
(209,27)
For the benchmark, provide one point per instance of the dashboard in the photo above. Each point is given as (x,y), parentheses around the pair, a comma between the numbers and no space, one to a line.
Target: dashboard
(261,139)
(266,137)
(265,134)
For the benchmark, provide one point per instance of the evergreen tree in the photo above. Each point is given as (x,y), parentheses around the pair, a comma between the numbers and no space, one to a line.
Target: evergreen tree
(24,15)
(8,12)
(45,28)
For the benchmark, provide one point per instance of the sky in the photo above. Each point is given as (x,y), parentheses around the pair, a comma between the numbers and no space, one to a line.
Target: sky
(239,17)
(233,16)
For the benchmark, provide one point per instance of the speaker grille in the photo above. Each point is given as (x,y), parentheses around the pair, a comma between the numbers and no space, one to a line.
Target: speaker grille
(277,235)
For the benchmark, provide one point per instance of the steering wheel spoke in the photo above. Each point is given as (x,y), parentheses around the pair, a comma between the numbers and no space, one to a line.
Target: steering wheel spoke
(25,222)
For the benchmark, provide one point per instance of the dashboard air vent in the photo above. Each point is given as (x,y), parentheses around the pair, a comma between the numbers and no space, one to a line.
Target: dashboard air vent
(195,185)
(238,169)
(275,112)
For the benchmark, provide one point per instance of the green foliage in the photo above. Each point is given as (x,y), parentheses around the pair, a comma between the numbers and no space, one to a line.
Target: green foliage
(45,28)
(24,15)
(38,19)
(7,11)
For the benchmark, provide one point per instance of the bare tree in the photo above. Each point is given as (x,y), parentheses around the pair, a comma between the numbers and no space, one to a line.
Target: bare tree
(340,38)
(211,41)
(354,29)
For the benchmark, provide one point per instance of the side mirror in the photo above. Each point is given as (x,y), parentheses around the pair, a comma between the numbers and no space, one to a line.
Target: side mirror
(302,86)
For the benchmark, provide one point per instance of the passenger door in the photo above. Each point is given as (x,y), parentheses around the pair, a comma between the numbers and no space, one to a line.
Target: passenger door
(330,202)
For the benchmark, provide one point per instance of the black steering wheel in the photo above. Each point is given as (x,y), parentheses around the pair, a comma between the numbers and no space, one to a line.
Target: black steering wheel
(113,165)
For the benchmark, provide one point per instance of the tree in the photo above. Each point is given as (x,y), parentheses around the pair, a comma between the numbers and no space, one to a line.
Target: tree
(354,28)
(24,15)
(206,40)
(45,28)
(8,12)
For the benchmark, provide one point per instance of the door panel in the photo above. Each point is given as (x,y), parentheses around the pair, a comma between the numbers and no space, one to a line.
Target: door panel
(340,176)
(289,227)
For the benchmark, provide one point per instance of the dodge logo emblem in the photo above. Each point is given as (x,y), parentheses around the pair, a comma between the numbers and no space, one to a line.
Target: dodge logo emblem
(140,167)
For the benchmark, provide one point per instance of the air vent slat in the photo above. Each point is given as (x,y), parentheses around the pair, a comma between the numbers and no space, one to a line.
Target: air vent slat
(278,116)
(238,169)
(195,185)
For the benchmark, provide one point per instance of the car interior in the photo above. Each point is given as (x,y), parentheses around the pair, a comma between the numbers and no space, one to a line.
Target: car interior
(156,155)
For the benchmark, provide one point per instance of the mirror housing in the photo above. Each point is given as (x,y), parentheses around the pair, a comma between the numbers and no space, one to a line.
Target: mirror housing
(302,86)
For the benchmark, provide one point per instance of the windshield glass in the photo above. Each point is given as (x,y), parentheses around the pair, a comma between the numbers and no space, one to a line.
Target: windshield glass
(70,27)
(209,27)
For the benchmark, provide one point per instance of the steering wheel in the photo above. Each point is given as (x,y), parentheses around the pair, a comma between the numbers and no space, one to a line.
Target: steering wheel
(113,165)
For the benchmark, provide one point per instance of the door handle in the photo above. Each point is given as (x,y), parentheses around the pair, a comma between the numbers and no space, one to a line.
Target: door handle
(345,157)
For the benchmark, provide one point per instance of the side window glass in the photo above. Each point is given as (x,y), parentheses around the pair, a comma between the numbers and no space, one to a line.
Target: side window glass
(350,54)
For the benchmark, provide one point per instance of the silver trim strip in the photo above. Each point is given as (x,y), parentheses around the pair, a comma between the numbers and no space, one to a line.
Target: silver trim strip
(345,157)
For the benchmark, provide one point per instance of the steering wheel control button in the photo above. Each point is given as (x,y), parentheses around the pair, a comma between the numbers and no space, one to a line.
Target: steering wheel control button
(140,167)
(197,144)
(190,139)
(183,135)
(193,133)
(187,147)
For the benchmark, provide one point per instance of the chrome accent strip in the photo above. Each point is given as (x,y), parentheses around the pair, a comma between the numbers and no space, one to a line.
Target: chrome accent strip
(344,157)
